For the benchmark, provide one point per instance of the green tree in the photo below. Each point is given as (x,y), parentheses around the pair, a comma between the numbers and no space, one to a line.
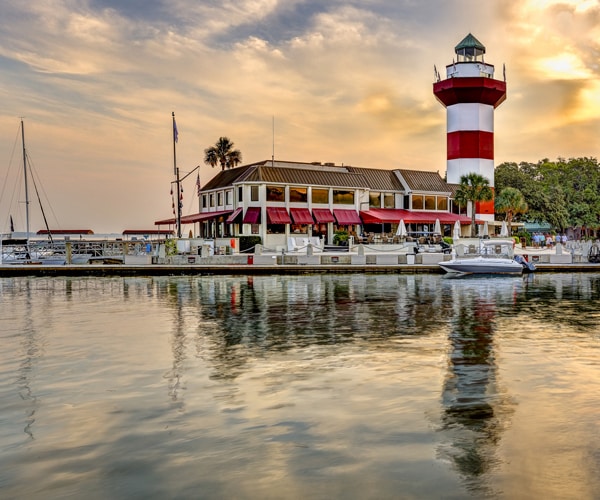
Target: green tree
(222,153)
(510,202)
(472,189)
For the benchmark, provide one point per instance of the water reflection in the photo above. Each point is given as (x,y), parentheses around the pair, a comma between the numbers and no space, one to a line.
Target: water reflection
(476,409)
(170,386)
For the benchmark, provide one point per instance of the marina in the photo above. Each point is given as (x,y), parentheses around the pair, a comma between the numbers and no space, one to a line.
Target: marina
(321,386)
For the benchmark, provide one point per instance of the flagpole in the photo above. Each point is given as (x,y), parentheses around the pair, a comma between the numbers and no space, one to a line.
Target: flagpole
(176,172)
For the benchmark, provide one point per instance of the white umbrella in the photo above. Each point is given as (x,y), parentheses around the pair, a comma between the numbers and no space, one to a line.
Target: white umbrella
(486,231)
(438,228)
(504,230)
(456,232)
(401,231)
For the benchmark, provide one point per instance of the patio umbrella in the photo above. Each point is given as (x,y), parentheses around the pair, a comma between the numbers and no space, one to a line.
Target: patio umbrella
(456,232)
(401,231)
(438,228)
(504,230)
(486,231)
(480,230)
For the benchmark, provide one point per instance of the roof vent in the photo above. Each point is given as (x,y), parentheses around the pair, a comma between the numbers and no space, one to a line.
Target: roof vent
(329,164)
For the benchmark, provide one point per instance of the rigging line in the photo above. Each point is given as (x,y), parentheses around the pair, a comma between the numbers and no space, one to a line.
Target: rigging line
(7,176)
(35,173)
(40,202)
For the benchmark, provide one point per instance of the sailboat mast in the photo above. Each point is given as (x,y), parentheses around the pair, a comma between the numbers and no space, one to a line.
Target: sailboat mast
(25,178)
(176,169)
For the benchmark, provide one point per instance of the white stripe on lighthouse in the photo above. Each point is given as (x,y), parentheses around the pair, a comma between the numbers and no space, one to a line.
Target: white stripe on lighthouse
(463,166)
(470,116)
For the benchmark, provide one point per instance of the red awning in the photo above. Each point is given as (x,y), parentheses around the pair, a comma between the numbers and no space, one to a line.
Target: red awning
(390,215)
(301,216)
(278,215)
(252,216)
(234,216)
(323,215)
(346,217)
(191,219)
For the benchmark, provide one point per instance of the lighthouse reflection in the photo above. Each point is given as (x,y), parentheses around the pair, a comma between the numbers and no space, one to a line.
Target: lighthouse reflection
(475,409)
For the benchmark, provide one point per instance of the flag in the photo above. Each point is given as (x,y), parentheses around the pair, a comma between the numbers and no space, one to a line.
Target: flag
(12,225)
(175,131)
(198,188)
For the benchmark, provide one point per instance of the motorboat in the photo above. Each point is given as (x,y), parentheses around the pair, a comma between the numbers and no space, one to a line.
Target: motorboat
(490,257)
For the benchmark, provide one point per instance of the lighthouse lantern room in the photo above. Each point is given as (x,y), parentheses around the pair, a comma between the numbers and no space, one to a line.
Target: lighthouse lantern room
(470,94)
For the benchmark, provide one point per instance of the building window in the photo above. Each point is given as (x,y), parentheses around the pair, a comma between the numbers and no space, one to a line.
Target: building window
(389,201)
(320,195)
(275,193)
(429,202)
(442,203)
(212,200)
(343,197)
(204,201)
(228,195)
(240,194)
(417,202)
(374,199)
(298,195)
(253,193)
(219,199)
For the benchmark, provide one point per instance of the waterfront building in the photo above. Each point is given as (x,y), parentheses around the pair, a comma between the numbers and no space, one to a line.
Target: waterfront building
(470,95)
(275,200)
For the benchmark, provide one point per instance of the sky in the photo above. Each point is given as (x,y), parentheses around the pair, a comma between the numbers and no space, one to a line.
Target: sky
(344,81)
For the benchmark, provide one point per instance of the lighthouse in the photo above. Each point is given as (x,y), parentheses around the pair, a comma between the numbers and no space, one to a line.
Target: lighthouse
(470,95)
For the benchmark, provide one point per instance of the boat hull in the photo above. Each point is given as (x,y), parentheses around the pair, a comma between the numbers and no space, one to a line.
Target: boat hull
(482,266)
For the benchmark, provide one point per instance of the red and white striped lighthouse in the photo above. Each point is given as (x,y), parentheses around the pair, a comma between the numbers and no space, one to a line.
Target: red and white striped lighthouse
(470,94)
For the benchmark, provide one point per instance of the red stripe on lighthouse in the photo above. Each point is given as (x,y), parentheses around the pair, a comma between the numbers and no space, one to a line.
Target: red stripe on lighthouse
(470,144)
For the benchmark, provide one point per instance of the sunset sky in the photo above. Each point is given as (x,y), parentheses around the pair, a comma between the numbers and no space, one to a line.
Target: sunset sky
(344,81)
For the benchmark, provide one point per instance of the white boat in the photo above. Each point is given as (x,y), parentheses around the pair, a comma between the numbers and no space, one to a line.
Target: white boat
(490,257)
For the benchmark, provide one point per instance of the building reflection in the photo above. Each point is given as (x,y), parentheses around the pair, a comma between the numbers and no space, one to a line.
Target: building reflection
(475,408)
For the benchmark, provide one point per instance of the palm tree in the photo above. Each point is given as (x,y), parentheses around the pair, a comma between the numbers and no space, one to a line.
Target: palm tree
(511,202)
(473,188)
(222,153)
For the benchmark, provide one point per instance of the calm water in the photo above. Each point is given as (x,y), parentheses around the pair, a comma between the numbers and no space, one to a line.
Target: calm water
(317,387)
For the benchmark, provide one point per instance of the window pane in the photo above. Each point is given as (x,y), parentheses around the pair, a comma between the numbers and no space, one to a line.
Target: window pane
(298,194)
(253,193)
(429,202)
(417,202)
(343,197)
(374,199)
(442,203)
(389,201)
(320,195)
(275,193)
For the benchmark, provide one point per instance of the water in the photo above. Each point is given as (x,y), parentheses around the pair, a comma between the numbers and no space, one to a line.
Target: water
(346,386)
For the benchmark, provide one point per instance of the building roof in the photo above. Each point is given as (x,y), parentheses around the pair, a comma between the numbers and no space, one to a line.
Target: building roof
(327,174)
(418,180)
(469,42)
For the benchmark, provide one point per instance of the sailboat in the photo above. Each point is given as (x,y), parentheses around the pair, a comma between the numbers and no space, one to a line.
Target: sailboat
(24,251)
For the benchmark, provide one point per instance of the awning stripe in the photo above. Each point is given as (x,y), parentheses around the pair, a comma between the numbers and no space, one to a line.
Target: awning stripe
(301,216)
(346,217)
(323,215)
(252,216)
(393,216)
(278,215)
(235,215)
